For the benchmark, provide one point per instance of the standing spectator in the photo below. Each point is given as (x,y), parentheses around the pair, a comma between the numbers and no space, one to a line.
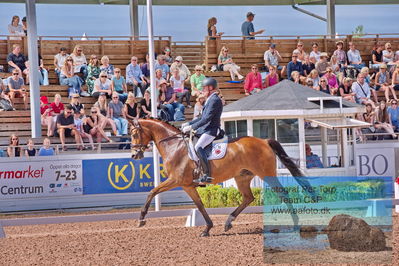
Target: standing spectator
(271,78)
(76,105)
(307,66)
(79,129)
(15,29)
(135,77)
(354,57)
(183,69)
(341,55)
(17,88)
(393,112)
(211,28)
(161,64)
(315,51)
(95,125)
(226,63)
(119,85)
(168,99)
(345,90)
(66,127)
(323,86)
(115,108)
(314,77)
(199,106)
(13,149)
(25,26)
(131,108)
(46,150)
(102,85)
(145,104)
(93,73)
(331,78)
(47,116)
(272,58)
(294,65)
(177,83)
(16,60)
(377,57)
(106,66)
(322,64)
(168,55)
(300,51)
(79,61)
(362,90)
(59,60)
(57,106)
(103,113)
(382,120)
(253,81)
(382,82)
(247,28)
(196,81)
(30,149)
(68,77)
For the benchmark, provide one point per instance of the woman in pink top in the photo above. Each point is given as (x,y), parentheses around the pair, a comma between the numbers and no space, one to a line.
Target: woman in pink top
(272,77)
(253,81)
(331,78)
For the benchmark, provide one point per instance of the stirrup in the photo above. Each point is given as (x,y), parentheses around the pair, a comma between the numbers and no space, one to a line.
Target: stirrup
(204,179)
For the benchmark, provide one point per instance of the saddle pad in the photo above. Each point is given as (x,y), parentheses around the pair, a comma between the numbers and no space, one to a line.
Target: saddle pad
(216,150)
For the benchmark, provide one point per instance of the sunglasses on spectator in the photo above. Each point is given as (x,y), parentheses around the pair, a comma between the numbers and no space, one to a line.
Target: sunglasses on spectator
(300,45)
(94,112)
(322,81)
(69,60)
(133,60)
(394,103)
(115,97)
(69,112)
(254,68)
(79,50)
(117,71)
(177,61)
(15,74)
(103,76)
(14,138)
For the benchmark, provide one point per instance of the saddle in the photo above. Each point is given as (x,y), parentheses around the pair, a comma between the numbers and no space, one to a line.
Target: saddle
(216,150)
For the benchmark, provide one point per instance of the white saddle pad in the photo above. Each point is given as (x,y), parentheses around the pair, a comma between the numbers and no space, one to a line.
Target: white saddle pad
(219,148)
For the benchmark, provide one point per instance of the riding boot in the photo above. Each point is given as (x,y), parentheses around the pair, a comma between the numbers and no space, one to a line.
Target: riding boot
(206,168)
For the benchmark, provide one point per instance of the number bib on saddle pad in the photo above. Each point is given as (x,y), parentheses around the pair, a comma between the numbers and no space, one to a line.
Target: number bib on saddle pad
(216,150)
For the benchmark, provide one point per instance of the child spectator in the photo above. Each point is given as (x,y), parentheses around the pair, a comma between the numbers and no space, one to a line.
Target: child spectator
(16,60)
(314,76)
(47,116)
(196,81)
(68,77)
(93,73)
(135,77)
(46,150)
(79,61)
(94,125)
(59,60)
(30,149)
(75,104)
(315,51)
(13,149)
(57,106)
(79,128)
(226,63)
(253,81)
(271,78)
(17,88)
(177,83)
(103,113)
(341,55)
(131,108)
(115,108)
(66,127)
(102,85)
(15,29)
(199,105)
(322,64)
(295,77)
(119,85)
(106,66)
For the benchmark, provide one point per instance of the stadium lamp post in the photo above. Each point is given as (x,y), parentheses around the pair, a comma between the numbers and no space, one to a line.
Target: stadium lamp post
(154,99)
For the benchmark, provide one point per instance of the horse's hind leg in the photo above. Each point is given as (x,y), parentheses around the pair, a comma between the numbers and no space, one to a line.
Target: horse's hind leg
(193,193)
(244,186)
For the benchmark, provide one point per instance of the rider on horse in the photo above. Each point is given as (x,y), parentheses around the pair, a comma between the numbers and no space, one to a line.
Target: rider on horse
(208,125)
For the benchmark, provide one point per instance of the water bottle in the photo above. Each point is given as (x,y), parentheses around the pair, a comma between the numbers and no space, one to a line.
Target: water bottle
(1,68)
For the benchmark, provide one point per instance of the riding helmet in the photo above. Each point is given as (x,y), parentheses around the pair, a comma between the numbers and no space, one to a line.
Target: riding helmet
(210,82)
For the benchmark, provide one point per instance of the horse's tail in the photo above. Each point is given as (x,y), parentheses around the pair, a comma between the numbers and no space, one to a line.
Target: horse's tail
(284,158)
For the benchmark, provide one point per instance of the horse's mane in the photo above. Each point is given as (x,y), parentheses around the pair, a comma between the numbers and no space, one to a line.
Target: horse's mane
(163,122)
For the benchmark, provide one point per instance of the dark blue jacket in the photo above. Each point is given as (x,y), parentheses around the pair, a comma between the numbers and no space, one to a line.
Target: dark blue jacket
(209,122)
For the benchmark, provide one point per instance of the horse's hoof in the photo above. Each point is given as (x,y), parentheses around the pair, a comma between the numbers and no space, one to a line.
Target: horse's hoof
(141,223)
(203,234)
(227,227)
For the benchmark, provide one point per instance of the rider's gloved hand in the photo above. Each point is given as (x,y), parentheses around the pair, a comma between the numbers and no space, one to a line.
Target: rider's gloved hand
(184,125)
(186,129)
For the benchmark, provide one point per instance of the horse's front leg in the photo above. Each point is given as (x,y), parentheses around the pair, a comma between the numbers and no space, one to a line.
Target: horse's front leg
(164,186)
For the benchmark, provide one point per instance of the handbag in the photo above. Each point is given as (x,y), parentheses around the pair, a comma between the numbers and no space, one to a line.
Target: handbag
(5,105)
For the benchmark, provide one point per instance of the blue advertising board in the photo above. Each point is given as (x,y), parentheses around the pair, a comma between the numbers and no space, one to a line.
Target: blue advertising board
(119,175)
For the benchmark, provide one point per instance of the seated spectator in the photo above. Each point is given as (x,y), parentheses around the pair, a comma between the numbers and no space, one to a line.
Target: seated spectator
(168,98)
(131,107)
(79,129)
(15,29)
(377,57)
(5,100)
(309,83)
(369,117)
(362,90)
(211,28)
(158,78)
(145,68)
(47,116)
(106,66)
(199,105)
(295,77)
(135,77)
(226,63)
(57,106)
(66,127)
(382,120)
(315,51)
(103,113)
(145,104)
(183,69)
(161,64)
(271,78)
(396,59)
(312,160)
(13,149)
(102,85)
(168,55)
(68,77)
(354,57)
(196,81)
(323,86)
(75,104)
(25,26)
(46,150)
(335,65)
(388,54)
(79,61)
(177,83)
(340,54)
(369,80)
(119,85)
(59,60)
(93,73)
(16,60)
(331,78)
(272,58)
(17,88)
(314,76)
(300,52)
(383,82)
(395,80)
(294,65)
(94,125)
(307,66)
(30,149)
(393,112)
(43,73)
(253,81)
(322,65)
(345,90)
(115,108)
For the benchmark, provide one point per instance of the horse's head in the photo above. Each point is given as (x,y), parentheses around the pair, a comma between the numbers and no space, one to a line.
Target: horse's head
(140,140)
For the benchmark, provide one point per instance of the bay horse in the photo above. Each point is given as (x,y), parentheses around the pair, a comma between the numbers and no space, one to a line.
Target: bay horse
(245,158)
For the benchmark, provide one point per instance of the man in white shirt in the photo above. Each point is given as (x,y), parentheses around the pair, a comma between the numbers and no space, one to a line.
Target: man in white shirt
(362,90)
(354,57)
(272,57)
(59,60)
